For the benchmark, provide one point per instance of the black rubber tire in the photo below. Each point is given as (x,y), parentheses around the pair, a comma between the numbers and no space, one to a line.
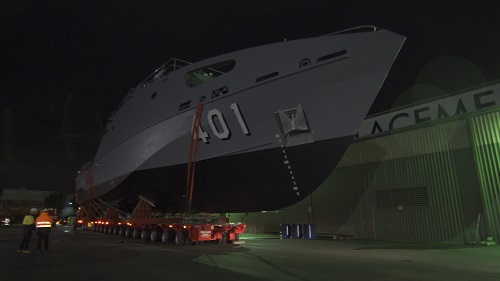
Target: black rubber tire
(155,235)
(145,234)
(128,232)
(136,233)
(180,238)
(223,240)
(166,236)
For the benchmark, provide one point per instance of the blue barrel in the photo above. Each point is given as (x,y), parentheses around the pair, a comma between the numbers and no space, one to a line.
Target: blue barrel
(309,231)
(297,231)
(286,231)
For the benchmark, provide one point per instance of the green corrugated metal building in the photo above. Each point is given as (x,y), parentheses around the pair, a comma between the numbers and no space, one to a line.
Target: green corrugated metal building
(425,172)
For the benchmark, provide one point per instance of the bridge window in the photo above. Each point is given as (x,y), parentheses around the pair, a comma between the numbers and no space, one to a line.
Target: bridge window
(201,75)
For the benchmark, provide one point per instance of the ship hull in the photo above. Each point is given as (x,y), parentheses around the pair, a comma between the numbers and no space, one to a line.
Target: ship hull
(263,180)
(272,130)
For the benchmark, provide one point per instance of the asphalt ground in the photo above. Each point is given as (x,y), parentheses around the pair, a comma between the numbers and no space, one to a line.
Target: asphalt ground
(85,255)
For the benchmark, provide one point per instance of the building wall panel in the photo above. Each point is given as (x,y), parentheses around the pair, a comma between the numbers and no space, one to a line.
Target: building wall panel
(403,160)
(485,130)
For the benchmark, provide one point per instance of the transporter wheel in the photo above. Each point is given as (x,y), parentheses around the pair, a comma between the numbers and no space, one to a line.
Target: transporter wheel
(180,237)
(236,238)
(128,232)
(116,230)
(223,240)
(166,236)
(155,235)
(145,235)
(136,233)
(121,231)
(111,229)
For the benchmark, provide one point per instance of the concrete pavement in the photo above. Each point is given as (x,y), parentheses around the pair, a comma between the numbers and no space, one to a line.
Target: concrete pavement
(85,255)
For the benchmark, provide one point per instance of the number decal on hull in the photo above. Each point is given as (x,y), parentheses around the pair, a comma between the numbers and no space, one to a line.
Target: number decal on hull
(219,126)
(225,130)
(241,121)
(286,162)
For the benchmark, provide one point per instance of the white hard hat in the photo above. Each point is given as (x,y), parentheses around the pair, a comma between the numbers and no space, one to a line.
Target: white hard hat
(34,210)
(45,210)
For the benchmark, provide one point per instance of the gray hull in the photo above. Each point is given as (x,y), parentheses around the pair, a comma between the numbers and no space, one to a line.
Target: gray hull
(274,124)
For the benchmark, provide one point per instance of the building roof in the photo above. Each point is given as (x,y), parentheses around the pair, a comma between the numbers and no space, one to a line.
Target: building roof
(24,195)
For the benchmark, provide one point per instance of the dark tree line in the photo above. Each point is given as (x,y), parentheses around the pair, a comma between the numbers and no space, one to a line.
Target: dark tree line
(56,200)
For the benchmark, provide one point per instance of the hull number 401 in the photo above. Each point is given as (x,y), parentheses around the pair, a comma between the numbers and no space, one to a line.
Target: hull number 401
(218,124)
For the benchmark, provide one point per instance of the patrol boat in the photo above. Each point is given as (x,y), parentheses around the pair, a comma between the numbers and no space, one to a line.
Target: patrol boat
(275,120)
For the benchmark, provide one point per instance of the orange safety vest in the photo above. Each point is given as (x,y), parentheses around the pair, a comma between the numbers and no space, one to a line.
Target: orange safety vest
(44,220)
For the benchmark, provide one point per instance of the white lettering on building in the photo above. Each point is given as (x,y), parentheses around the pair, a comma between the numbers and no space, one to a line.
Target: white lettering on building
(446,107)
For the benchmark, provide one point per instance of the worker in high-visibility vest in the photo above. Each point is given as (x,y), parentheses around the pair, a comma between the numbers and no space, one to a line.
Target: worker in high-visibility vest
(28,227)
(43,226)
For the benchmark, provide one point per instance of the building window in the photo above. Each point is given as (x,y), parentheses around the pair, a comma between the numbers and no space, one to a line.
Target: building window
(404,197)
(15,205)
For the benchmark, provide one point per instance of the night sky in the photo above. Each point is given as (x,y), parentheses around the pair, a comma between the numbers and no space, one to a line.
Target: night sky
(66,65)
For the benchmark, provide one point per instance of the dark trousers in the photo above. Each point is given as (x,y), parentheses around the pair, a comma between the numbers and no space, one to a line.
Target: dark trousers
(26,240)
(43,235)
